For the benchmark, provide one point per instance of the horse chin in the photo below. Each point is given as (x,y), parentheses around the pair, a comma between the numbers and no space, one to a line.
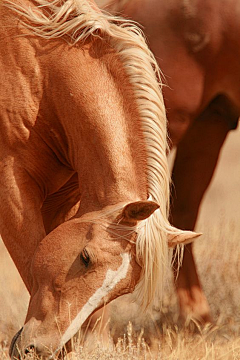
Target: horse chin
(13,351)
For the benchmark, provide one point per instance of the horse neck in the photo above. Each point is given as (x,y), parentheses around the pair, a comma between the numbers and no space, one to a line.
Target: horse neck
(102,127)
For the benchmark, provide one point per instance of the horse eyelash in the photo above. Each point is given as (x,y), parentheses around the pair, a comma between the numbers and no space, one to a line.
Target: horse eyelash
(85,257)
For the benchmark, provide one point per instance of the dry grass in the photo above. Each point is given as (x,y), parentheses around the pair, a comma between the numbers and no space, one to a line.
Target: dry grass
(160,336)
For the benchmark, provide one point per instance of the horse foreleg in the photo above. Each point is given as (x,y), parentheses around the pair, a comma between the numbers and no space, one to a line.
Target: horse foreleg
(195,162)
(20,217)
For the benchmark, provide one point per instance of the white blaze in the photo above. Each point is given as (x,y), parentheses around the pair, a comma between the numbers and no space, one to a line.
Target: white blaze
(111,280)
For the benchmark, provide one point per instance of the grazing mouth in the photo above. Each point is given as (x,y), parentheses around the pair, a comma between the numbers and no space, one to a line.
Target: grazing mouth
(13,342)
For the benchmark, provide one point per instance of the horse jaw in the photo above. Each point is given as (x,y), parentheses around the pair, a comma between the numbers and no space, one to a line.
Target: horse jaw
(96,300)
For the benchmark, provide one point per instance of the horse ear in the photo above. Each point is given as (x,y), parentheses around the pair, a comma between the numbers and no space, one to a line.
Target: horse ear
(182,237)
(137,211)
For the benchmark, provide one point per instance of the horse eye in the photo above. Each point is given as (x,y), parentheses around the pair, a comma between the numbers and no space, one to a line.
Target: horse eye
(85,257)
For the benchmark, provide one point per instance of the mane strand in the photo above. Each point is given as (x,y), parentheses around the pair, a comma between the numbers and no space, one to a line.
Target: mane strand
(78,20)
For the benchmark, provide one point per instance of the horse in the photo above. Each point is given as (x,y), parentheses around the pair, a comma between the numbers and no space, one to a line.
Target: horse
(84,175)
(196,44)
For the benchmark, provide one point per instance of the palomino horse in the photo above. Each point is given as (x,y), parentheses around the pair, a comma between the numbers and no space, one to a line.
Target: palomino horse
(82,118)
(197,46)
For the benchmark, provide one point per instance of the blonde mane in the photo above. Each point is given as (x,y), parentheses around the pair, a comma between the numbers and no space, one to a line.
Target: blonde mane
(76,20)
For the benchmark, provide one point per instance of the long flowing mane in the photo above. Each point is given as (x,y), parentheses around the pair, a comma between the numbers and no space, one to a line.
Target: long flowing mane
(77,20)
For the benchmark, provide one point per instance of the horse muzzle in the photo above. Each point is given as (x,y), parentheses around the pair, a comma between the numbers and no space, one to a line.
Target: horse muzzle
(20,349)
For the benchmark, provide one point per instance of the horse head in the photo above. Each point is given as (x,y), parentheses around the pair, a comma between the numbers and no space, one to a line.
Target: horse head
(81,265)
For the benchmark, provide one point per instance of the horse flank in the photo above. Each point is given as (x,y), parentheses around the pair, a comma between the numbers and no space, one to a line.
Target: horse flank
(77,20)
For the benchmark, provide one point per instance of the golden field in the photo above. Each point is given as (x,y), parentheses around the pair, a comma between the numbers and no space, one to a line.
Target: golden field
(160,336)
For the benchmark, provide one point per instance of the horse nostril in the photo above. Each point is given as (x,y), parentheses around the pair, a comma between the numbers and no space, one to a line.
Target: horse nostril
(29,350)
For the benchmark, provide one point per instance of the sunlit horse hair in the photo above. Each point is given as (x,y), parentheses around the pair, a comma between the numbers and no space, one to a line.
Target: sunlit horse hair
(78,20)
